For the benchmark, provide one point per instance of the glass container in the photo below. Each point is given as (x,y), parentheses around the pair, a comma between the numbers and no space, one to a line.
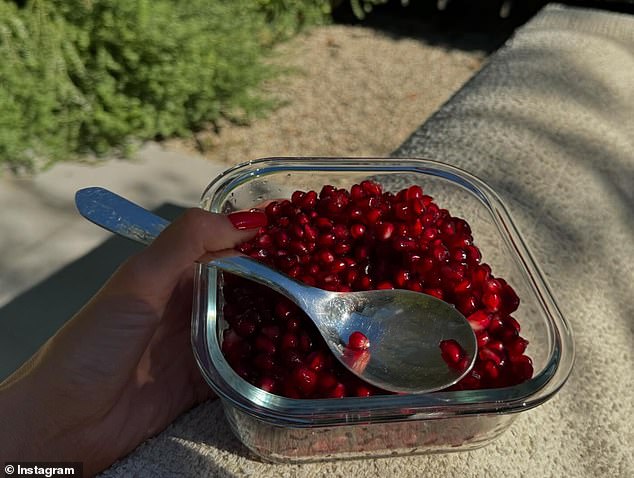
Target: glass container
(289,430)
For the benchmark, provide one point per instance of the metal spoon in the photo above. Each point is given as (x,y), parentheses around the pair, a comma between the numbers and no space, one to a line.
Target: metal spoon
(404,328)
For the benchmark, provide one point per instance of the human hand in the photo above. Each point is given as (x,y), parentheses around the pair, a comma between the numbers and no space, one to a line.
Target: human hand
(122,369)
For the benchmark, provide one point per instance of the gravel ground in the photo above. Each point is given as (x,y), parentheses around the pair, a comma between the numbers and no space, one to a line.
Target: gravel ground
(356,91)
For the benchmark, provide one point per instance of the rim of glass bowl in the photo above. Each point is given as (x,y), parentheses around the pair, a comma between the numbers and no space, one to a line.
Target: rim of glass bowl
(318,412)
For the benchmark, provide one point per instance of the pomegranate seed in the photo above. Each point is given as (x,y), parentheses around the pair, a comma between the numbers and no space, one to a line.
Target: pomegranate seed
(371,188)
(491,301)
(523,367)
(384,231)
(326,191)
(309,200)
(401,211)
(358,341)
(463,287)
(342,248)
(245,327)
(264,344)
(481,274)
(384,285)
(493,286)
(479,320)
(326,381)
(361,253)
(372,216)
(440,253)
(496,326)
(462,364)
(326,240)
(268,384)
(483,338)
(338,391)
(414,192)
(363,391)
(310,233)
(438,293)
(308,280)
(451,351)
(305,380)
(271,331)
(364,283)
(365,239)
(510,300)
(401,277)
(326,257)
(491,370)
(511,322)
(289,341)
(340,231)
(357,231)
(357,192)
(290,391)
(497,347)
(316,361)
(292,324)
(284,309)
(296,197)
(298,247)
(467,305)
(338,266)
(517,346)
(323,223)
(305,342)
(473,254)
(430,233)
(447,227)
(486,354)
(413,285)
(264,362)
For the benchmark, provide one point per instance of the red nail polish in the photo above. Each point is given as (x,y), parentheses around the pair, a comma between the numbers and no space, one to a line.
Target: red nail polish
(248,219)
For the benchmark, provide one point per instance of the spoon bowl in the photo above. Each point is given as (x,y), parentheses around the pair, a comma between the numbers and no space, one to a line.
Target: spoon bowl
(405,329)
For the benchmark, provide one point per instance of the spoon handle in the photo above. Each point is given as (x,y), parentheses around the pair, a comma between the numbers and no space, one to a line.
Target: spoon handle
(116,214)
(123,217)
(251,269)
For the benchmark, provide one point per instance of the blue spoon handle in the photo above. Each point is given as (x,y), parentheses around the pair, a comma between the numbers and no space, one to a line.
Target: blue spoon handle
(116,214)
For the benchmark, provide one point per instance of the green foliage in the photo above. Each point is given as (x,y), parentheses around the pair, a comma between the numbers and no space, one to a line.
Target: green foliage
(91,75)
(287,17)
(39,105)
(361,8)
(162,68)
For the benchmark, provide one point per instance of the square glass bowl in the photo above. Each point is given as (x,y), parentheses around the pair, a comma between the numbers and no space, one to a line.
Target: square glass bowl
(287,430)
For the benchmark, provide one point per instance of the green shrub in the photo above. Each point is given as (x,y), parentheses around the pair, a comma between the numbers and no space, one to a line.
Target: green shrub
(93,76)
(82,76)
(287,17)
(39,105)
(162,68)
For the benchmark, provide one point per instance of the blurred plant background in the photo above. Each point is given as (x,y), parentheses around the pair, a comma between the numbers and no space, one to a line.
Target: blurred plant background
(98,76)
(87,76)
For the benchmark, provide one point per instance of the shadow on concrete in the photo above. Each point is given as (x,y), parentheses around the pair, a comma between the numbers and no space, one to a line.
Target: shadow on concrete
(460,24)
(30,319)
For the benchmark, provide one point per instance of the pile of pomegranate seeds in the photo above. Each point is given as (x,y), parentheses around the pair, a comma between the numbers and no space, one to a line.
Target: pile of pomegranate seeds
(364,239)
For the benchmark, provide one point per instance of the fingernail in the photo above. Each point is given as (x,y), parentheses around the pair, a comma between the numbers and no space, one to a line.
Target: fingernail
(248,219)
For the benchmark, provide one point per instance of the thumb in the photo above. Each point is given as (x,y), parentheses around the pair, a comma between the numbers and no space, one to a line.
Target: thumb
(151,275)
